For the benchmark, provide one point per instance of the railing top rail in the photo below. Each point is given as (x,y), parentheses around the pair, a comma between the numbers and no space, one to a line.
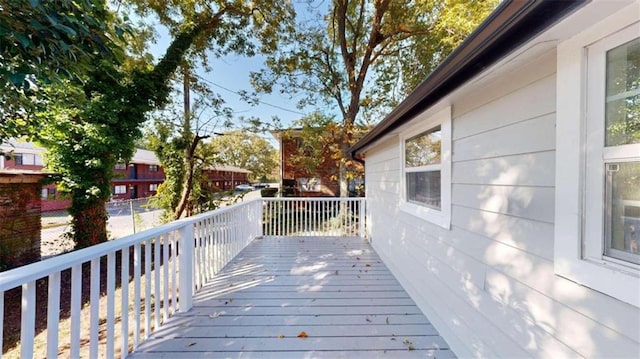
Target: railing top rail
(15,277)
(311,199)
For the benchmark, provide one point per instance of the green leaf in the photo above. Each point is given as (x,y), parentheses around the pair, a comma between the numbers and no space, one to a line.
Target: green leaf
(25,41)
(69,31)
(17,78)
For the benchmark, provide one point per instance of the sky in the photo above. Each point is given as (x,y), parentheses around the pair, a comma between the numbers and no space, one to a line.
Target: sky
(229,76)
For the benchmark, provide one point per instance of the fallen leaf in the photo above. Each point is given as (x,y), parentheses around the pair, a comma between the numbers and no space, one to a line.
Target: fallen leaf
(367,265)
(411,347)
(353,266)
(393,338)
(407,341)
(281,336)
(358,258)
(368,320)
(302,335)
(191,344)
(387,320)
(215,314)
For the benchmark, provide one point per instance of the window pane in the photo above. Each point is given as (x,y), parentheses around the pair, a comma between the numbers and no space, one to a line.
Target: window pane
(424,149)
(623,212)
(424,188)
(623,94)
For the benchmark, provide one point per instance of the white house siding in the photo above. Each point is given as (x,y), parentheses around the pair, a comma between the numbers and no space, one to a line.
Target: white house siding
(488,283)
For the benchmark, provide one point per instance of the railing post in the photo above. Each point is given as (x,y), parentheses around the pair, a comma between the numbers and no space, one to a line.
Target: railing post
(363,217)
(186,267)
(259,218)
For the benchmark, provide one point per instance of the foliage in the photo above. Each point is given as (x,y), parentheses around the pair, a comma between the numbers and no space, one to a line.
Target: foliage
(89,127)
(354,55)
(247,151)
(44,42)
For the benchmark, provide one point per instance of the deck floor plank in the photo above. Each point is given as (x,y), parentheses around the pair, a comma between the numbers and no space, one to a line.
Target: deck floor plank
(335,289)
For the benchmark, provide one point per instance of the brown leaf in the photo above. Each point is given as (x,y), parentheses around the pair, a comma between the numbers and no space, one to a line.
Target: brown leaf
(367,265)
(281,336)
(302,335)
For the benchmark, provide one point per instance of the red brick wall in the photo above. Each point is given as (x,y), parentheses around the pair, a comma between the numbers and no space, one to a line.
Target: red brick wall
(226,180)
(20,224)
(327,171)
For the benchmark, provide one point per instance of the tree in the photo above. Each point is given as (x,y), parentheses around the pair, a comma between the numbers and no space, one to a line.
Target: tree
(44,42)
(176,138)
(366,54)
(245,150)
(89,128)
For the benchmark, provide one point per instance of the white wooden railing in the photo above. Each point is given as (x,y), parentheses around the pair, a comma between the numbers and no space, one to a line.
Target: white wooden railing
(161,268)
(159,271)
(314,217)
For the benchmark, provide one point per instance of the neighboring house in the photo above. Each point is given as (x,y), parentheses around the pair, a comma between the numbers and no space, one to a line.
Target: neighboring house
(504,192)
(322,181)
(226,178)
(139,178)
(27,156)
(297,181)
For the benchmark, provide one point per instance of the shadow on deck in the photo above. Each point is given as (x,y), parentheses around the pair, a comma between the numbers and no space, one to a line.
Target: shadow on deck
(300,297)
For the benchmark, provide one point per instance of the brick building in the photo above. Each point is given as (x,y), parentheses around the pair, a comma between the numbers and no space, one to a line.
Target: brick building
(225,178)
(139,178)
(297,181)
(20,225)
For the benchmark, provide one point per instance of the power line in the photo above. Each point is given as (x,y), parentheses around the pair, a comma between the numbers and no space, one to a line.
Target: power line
(239,94)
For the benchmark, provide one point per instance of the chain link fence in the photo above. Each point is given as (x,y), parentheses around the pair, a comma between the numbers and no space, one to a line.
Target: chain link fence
(125,218)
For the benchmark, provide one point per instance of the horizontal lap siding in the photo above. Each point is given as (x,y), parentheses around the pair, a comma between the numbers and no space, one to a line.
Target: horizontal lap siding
(488,283)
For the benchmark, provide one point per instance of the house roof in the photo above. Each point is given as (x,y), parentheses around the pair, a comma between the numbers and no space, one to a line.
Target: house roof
(228,169)
(18,146)
(510,25)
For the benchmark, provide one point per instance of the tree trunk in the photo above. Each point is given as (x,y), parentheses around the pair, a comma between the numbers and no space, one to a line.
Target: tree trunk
(342,172)
(89,224)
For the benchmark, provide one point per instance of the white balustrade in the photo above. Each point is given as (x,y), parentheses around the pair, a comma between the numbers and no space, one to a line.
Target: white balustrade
(164,267)
(316,216)
(161,273)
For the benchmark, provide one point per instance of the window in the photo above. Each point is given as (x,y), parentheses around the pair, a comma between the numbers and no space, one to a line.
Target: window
(613,149)
(44,193)
(597,214)
(426,170)
(120,166)
(120,189)
(27,159)
(153,187)
(153,168)
(422,155)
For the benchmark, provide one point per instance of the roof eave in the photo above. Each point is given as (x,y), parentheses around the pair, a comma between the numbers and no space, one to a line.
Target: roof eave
(509,26)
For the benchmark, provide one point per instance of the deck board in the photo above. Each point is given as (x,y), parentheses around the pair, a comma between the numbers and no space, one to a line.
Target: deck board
(335,289)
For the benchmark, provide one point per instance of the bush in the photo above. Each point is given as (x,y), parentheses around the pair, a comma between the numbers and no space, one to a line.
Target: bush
(268,192)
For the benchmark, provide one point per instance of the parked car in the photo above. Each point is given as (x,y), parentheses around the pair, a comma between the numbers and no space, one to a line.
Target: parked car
(244,187)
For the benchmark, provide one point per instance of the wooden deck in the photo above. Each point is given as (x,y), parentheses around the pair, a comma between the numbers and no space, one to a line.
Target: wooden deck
(334,290)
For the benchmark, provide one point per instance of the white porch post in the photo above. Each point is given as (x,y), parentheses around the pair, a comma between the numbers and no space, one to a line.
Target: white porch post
(186,267)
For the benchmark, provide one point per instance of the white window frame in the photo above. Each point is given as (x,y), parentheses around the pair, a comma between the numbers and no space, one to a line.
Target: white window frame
(117,189)
(153,187)
(422,123)
(579,214)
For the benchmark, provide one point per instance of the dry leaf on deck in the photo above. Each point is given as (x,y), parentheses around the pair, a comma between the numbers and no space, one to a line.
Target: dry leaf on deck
(302,335)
